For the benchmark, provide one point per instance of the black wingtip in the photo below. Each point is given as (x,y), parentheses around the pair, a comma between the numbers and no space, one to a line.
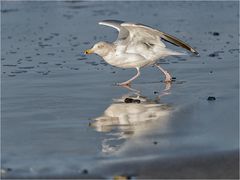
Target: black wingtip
(195,53)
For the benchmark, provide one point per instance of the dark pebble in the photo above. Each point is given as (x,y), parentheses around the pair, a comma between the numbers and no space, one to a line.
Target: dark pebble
(216,33)
(85,171)
(9,169)
(130,100)
(155,142)
(42,62)
(212,55)
(211,98)
(155,92)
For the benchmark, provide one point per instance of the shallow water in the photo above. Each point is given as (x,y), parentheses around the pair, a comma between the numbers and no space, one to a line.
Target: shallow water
(62,114)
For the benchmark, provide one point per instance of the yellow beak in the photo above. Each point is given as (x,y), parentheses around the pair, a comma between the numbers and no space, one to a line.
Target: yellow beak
(88,51)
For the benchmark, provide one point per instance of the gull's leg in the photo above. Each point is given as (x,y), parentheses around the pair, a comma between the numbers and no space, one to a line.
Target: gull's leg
(126,83)
(168,77)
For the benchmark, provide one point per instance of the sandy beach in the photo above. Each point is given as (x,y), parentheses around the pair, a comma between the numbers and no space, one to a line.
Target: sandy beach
(62,116)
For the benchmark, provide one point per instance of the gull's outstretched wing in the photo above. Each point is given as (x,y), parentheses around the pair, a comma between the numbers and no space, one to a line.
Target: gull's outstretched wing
(150,33)
(123,32)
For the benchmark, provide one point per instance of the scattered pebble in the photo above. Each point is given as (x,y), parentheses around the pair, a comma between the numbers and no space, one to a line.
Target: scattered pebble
(130,100)
(213,55)
(155,142)
(42,62)
(84,171)
(216,33)
(211,98)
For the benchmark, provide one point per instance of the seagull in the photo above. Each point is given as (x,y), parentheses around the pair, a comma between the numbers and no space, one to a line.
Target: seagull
(137,46)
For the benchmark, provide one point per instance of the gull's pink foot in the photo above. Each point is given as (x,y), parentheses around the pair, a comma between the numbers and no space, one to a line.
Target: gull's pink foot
(168,77)
(124,84)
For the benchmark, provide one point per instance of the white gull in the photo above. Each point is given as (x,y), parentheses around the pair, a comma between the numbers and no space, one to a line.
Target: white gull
(137,46)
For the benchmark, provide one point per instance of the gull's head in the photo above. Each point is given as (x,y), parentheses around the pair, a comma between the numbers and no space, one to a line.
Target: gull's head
(100,48)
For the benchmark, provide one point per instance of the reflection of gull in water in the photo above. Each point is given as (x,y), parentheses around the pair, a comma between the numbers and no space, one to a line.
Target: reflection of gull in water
(130,115)
(137,46)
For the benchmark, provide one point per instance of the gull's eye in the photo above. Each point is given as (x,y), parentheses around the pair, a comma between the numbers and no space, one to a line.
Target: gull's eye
(100,46)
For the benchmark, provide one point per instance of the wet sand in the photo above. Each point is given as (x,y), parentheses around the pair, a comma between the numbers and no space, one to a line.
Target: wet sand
(62,116)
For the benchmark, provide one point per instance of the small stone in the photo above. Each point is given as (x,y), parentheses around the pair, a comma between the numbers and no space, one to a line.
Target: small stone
(212,55)
(155,142)
(211,98)
(84,171)
(216,33)
(128,100)
(136,101)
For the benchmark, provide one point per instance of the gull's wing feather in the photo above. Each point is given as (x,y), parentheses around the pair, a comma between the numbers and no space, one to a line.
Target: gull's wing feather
(177,42)
(141,34)
(133,28)
(123,32)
